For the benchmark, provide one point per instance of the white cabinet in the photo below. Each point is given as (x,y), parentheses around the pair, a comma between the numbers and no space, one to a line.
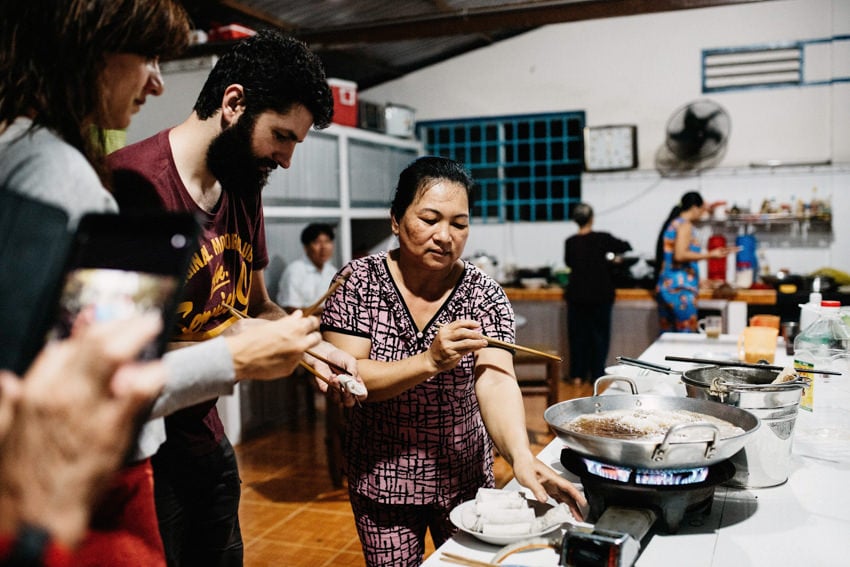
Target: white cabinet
(340,175)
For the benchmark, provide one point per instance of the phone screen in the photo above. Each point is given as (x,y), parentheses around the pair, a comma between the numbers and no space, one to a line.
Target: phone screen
(126,265)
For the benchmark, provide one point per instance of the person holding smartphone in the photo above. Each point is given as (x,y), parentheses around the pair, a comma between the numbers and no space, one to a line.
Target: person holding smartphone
(258,103)
(70,67)
(64,428)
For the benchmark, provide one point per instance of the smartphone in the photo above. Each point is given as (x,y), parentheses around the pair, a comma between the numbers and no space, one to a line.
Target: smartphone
(122,265)
(34,242)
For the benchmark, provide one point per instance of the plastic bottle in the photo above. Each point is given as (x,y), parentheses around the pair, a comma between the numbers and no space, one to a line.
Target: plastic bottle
(809,311)
(824,430)
(716,266)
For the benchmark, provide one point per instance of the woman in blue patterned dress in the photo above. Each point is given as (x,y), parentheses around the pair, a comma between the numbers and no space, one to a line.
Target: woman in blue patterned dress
(415,318)
(677,256)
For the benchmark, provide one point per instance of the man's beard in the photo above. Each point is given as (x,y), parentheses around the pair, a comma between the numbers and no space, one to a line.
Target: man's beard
(233,163)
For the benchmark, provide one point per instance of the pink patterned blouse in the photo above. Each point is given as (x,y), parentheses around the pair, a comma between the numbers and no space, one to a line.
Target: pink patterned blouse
(428,445)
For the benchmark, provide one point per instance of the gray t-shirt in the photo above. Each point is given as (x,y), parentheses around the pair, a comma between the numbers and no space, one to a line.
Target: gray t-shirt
(38,164)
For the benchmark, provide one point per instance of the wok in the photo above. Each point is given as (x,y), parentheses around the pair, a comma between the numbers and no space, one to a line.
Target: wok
(699,450)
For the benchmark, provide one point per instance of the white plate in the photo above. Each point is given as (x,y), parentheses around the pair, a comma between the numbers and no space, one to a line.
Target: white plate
(540,508)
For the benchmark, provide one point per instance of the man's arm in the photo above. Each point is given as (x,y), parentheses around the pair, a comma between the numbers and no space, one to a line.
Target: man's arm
(260,305)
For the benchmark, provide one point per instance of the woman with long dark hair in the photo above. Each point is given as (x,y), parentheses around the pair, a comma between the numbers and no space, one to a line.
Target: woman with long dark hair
(677,253)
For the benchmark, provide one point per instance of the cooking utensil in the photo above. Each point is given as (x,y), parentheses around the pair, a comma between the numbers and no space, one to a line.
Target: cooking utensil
(336,283)
(236,312)
(741,364)
(668,454)
(766,459)
(512,346)
(309,368)
(535,352)
(646,365)
(461,560)
(727,381)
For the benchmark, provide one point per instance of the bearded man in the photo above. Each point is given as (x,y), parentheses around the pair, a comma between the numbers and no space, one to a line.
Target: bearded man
(258,103)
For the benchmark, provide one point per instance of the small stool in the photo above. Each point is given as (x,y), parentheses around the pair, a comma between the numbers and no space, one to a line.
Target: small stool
(546,385)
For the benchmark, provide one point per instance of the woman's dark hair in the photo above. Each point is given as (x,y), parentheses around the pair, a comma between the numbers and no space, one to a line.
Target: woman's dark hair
(312,231)
(276,72)
(420,173)
(688,200)
(53,51)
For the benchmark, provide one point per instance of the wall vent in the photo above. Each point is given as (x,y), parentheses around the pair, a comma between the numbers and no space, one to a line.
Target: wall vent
(801,63)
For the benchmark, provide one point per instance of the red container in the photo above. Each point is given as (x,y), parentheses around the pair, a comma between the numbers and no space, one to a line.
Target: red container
(345,101)
(716,266)
(230,32)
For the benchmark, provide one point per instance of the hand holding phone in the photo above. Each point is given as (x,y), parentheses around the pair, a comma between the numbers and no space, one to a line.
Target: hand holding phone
(125,265)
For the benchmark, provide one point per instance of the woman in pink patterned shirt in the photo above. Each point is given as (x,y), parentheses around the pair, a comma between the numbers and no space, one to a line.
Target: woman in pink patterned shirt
(415,318)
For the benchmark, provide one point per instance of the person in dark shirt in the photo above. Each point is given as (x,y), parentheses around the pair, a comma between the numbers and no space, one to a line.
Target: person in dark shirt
(590,294)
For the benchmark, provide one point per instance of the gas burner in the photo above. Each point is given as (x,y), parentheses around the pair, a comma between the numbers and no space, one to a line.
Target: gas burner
(670,493)
(651,477)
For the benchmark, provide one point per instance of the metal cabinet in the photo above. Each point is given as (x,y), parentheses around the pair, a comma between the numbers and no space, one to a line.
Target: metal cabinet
(340,175)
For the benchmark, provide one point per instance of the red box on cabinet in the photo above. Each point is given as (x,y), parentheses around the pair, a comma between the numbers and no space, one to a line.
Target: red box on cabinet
(230,32)
(345,101)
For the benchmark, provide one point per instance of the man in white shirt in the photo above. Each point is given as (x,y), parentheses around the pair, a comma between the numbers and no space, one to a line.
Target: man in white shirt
(305,280)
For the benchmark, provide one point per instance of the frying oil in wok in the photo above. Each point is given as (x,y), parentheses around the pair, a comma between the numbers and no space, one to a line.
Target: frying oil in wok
(647,425)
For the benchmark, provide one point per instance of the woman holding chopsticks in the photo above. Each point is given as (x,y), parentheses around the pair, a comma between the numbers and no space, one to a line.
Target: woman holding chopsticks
(416,318)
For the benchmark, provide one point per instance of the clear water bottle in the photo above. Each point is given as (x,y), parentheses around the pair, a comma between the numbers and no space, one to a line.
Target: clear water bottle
(824,429)
(809,311)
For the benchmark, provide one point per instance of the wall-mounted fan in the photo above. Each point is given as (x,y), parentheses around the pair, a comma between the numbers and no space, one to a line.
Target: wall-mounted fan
(696,139)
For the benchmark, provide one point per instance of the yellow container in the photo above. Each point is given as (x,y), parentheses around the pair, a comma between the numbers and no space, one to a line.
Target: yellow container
(757,343)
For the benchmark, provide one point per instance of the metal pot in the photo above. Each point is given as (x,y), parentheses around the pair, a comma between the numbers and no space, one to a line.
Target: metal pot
(668,454)
(765,461)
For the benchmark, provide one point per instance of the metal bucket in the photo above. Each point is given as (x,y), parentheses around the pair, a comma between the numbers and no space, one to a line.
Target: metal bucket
(765,461)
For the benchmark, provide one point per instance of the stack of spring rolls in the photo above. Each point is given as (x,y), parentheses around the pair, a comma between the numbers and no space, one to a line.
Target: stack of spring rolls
(507,513)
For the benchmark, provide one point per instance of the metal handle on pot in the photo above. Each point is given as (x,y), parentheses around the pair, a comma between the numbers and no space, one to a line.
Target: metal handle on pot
(711,446)
(604,379)
(720,385)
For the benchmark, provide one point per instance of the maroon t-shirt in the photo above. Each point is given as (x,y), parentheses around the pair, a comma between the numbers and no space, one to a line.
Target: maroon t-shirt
(232,245)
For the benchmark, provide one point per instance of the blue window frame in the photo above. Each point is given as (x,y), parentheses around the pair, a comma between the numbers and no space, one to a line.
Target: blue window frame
(526,167)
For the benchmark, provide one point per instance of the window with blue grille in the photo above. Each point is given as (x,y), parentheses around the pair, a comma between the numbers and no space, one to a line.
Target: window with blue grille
(526,168)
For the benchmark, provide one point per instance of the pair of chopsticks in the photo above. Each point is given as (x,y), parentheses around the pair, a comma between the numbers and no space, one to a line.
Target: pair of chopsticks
(744,364)
(504,344)
(305,365)
(336,283)
(449,557)
(646,365)
(535,352)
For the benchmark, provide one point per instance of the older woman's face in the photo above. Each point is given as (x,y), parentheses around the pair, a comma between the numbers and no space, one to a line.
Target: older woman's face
(435,227)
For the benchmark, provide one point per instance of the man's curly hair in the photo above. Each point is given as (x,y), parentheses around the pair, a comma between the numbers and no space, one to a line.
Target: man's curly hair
(276,72)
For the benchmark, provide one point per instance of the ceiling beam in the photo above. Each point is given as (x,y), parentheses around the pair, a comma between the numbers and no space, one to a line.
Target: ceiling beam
(512,17)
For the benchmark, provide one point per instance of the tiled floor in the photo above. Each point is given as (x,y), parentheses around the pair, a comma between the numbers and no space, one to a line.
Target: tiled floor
(291,514)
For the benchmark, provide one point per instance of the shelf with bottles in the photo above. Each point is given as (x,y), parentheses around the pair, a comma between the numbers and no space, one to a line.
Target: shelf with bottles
(782,218)
(776,229)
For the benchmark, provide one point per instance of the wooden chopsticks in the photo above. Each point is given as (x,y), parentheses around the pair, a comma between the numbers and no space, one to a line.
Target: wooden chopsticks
(336,367)
(236,312)
(535,352)
(504,344)
(336,283)
(461,560)
(309,368)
